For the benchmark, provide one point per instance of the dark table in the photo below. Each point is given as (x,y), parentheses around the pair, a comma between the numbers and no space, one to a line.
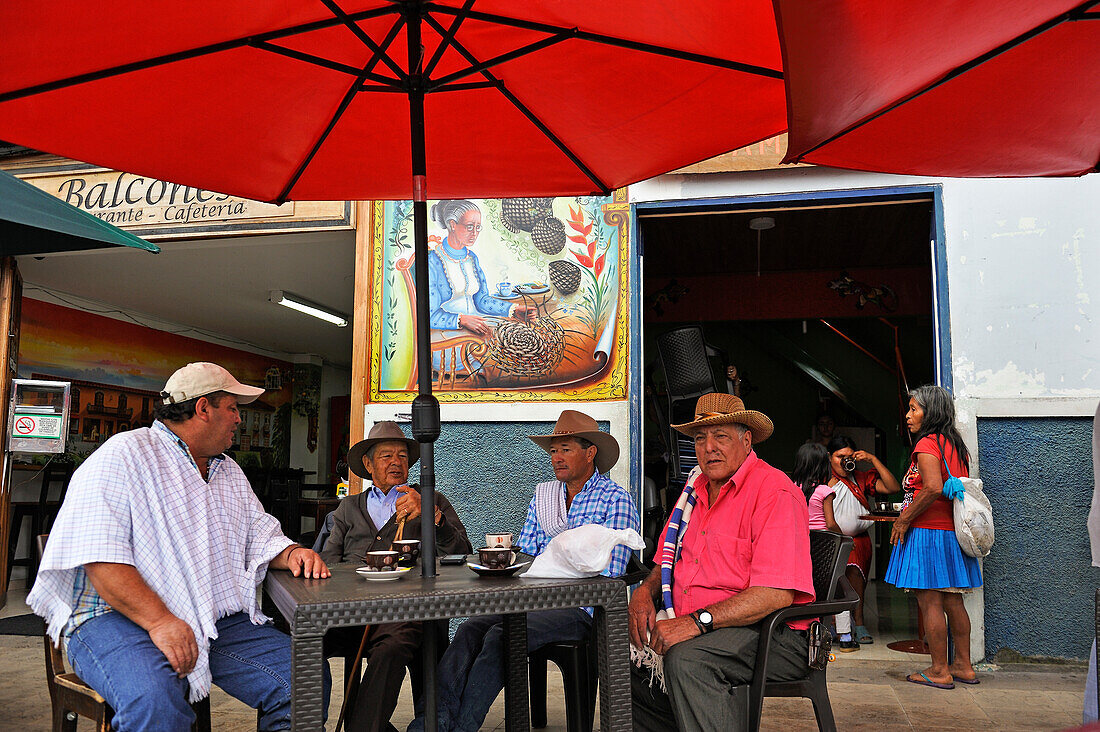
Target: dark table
(313,606)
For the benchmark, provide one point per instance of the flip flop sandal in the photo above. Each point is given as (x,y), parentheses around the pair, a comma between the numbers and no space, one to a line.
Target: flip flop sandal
(928,682)
(863,635)
(966,681)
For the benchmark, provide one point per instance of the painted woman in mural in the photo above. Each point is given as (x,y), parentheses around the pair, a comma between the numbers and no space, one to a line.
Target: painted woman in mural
(460,296)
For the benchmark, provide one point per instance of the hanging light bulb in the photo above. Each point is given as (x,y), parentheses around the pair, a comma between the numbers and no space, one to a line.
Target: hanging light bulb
(759,224)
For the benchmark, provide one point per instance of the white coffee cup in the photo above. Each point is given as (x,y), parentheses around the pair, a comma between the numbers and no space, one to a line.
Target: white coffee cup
(498,540)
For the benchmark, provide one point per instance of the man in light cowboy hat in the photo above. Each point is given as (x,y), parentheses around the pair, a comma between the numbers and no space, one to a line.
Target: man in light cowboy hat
(736,548)
(471,673)
(368,521)
(152,566)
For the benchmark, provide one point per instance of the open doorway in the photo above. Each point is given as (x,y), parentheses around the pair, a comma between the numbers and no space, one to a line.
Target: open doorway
(819,312)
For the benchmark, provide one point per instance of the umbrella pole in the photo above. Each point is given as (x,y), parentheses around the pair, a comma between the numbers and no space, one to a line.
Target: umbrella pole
(425,407)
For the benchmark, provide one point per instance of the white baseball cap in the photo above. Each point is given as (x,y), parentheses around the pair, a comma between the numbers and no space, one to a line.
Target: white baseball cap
(199,379)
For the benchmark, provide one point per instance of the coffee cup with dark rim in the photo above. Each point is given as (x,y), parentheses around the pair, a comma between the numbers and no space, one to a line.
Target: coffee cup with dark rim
(382,561)
(496,557)
(408,551)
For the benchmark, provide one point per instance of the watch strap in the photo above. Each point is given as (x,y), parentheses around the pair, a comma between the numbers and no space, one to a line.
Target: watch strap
(698,622)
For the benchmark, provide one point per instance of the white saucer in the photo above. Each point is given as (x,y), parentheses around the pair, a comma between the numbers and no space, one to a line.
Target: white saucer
(386,576)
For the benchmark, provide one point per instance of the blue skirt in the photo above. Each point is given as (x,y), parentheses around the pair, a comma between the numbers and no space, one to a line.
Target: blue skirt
(931,559)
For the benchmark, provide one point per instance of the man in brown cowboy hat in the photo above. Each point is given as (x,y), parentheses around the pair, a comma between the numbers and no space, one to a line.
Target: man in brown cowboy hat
(471,673)
(366,522)
(736,548)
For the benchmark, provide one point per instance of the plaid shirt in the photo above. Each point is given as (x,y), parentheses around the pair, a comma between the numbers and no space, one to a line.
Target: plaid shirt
(601,501)
(202,546)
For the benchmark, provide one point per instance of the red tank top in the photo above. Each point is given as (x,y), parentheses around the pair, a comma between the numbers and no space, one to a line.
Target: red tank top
(939,514)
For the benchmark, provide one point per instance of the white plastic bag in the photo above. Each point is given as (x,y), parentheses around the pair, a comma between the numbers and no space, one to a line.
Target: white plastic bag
(581,552)
(847,511)
(973,515)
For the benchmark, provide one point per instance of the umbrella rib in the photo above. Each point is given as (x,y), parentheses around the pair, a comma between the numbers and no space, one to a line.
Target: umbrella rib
(348,96)
(610,41)
(949,76)
(186,55)
(504,57)
(448,37)
(531,117)
(465,86)
(365,38)
(324,63)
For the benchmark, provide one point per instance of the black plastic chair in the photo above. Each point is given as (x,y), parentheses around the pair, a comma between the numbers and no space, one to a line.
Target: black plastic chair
(685,359)
(577,661)
(55,481)
(283,489)
(829,555)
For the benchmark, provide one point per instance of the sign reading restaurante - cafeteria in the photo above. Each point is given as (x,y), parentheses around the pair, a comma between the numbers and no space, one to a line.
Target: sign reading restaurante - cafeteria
(154,208)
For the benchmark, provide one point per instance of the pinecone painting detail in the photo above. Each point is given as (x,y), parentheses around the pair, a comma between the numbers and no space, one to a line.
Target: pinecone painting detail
(521,214)
(548,235)
(565,276)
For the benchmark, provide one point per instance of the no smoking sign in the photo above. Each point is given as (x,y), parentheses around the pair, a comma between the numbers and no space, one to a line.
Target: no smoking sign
(37,426)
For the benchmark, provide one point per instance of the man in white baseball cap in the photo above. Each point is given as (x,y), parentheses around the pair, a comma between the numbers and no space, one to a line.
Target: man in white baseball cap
(154,559)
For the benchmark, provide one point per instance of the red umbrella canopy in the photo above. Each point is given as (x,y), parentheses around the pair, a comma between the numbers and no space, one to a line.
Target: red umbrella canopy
(946,87)
(306,99)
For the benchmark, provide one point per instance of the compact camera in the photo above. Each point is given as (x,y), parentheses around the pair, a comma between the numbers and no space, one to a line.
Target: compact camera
(849,464)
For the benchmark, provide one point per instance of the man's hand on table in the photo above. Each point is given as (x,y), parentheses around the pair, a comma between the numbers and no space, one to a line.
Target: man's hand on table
(301,562)
(176,641)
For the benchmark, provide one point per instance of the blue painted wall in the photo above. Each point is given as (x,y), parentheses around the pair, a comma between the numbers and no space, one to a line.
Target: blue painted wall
(489,470)
(1039,585)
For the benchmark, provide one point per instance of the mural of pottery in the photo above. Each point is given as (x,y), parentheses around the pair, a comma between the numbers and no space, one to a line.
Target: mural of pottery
(548,235)
(566,276)
(521,214)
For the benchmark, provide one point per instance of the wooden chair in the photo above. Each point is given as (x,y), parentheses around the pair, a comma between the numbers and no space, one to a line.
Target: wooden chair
(72,698)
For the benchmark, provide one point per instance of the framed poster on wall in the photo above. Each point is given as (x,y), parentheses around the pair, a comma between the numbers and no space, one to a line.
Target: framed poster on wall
(529,300)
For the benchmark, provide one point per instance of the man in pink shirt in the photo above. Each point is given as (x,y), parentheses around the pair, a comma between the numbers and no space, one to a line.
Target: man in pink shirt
(742,531)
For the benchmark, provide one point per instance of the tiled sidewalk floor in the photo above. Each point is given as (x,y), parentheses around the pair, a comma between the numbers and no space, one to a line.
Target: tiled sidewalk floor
(866,695)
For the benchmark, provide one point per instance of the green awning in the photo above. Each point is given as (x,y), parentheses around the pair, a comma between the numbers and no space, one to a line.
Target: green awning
(34,222)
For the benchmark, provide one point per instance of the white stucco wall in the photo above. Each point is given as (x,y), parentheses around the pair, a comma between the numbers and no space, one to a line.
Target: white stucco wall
(1023,268)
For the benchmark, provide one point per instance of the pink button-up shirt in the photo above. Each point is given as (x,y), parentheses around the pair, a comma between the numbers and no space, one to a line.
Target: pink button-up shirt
(755,535)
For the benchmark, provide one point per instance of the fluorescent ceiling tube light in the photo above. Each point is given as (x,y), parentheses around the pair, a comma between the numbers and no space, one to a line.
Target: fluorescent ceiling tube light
(302,305)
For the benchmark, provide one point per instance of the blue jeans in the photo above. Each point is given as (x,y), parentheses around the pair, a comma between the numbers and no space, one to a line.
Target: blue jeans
(116,657)
(471,672)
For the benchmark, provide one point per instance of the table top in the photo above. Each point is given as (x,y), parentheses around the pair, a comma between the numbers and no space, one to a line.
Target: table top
(878,517)
(346,598)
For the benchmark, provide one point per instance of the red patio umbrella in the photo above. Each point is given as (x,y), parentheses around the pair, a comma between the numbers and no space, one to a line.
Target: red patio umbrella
(378,99)
(955,88)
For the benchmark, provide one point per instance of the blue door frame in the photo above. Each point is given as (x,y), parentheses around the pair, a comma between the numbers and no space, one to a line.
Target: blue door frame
(941,316)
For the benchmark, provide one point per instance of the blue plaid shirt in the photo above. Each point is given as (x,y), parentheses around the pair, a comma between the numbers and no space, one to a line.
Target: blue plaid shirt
(601,501)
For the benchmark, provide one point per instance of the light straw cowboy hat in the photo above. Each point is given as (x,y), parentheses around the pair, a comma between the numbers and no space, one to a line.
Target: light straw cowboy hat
(718,408)
(381,432)
(578,424)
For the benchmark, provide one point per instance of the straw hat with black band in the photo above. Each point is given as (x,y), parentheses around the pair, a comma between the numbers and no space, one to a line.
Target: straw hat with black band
(578,424)
(717,408)
(381,432)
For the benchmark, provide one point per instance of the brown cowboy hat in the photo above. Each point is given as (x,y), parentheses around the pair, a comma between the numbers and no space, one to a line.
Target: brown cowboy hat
(381,432)
(578,424)
(718,408)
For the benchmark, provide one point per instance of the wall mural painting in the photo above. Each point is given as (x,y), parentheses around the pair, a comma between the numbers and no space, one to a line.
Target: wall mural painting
(529,299)
(118,368)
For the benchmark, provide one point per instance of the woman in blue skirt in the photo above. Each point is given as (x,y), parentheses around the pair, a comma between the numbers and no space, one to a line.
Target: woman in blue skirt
(927,558)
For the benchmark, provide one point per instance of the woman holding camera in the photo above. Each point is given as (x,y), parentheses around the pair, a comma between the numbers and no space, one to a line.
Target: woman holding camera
(927,558)
(864,485)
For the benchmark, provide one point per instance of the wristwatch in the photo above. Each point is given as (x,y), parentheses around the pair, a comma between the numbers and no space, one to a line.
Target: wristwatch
(704,620)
